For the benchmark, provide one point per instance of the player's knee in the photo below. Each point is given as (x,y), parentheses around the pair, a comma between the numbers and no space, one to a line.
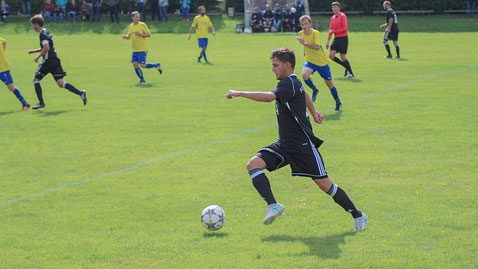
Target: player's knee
(305,76)
(254,163)
(142,65)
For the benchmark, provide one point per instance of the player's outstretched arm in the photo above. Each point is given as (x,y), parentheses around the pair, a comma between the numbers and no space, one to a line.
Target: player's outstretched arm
(44,50)
(256,96)
(34,51)
(310,106)
(126,36)
(213,30)
(4,44)
(190,32)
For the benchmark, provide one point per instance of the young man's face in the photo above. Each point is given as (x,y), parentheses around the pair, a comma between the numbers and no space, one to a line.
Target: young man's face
(35,27)
(306,25)
(202,10)
(279,68)
(135,18)
(385,6)
(335,9)
(277,6)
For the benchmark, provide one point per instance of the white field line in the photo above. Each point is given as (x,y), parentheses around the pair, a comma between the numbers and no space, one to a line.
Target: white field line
(182,152)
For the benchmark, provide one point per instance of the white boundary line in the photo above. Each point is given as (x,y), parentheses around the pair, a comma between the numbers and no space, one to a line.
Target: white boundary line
(179,153)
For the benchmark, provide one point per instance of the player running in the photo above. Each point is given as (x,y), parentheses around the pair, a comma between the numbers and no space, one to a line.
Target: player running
(391,30)
(297,145)
(6,77)
(138,32)
(50,64)
(202,23)
(316,60)
(339,28)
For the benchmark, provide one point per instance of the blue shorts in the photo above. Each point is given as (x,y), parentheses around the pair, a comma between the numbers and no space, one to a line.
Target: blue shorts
(202,42)
(324,71)
(6,77)
(139,56)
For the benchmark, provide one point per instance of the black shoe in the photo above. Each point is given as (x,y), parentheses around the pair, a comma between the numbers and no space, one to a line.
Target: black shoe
(388,56)
(338,105)
(159,69)
(83,97)
(314,95)
(346,73)
(38,106)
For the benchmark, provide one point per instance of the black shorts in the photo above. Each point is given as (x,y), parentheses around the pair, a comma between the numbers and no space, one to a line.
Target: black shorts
(392,35)
(340,44)
(304,160)
(52,66)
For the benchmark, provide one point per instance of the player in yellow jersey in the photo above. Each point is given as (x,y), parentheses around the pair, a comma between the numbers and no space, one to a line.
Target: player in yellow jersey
(316,59)
(202,23)
(6,77)
(138,32)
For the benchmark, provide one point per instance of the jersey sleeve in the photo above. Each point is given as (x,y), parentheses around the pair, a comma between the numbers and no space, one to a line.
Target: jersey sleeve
(2,41)
(316,37)
(209,23)
(195,22)
(284,91)
(146,29)
(43,39)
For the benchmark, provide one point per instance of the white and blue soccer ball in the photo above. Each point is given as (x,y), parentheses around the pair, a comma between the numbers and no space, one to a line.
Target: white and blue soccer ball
(213,217)
(293,10)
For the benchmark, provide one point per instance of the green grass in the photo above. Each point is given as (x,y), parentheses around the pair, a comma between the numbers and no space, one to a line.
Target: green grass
(122,181)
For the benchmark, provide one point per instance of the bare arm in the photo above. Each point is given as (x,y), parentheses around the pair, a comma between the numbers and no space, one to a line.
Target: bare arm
(389,26)
(310,106)
(127,36)
(43,51)
(143,34)
(213,31)
(34,51)
(190,32)
(309,45)
(256,96)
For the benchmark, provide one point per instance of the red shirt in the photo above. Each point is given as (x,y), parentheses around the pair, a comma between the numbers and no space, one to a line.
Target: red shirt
(339,24)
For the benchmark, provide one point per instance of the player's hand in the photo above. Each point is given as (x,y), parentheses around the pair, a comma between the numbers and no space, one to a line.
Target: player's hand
(327,45)
(332,31)
(125,36)
(387,30)
(138,33)
(189,37)
(318,118)
(36,59)
(232,93)
(31,51)
(213,33)
(300,39)
(382,26)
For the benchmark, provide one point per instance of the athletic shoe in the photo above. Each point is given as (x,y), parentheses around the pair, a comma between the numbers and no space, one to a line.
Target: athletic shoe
(398,57)
(338,105)
(208,62)
(360,223)
(199,59)
(142,81)
(351,76)
(159,69)
(388,56)
(38,106)
(273,211)
(83,97)
(346,72)
(314,95)
(25,107)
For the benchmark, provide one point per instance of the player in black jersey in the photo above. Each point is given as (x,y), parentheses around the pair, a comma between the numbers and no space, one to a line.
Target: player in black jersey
(391,30)
(297,145)
(50,64)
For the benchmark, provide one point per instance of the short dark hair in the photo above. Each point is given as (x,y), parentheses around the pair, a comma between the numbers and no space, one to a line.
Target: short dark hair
(284,55)
(336,4)
(37,19)
(134,13)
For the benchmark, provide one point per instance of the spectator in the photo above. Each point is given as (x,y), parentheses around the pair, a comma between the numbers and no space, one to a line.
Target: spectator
(256,20)
(48,10)
(267,18)
(140,8)
(73,10)
(470,6)
(61,9)
(26,7)
(154,9)
(185,6)
(4,10)
(86,10)
(163,10)
(96,10)
(113,9)
(278,16)
(299,11)
(288,24)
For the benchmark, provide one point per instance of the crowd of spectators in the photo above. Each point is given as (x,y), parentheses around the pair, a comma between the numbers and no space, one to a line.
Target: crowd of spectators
(278,20)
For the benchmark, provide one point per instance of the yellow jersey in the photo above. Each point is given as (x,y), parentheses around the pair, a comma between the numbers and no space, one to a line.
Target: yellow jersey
(139,43)
(202,25)
(4,63)
(314,56)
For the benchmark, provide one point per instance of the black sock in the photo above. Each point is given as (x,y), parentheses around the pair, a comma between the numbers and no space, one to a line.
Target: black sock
(341,198)
(397,48)
(388,49)
(39,92)
(261,183)
(337,60)
(348,67)
(71,88)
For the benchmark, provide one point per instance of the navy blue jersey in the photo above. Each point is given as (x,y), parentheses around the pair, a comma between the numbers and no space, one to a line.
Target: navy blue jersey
(46,38)
(268,15)
(257,16)
(300,9)
(393,15)
(278,13)
(294,124)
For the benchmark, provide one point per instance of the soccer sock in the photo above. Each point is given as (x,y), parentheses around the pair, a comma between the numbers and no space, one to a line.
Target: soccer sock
(151,65)
(337,60)
(311,84)
(71,88)
(204,55)
(262,185)
(348,67)
(388,49)
(397,48)
(38,91)
(200,55)
(335,94)
(139,72)
(19,96)
(341,198)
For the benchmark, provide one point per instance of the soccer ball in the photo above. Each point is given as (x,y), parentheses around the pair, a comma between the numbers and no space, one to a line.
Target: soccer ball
(293,10)
(213,217)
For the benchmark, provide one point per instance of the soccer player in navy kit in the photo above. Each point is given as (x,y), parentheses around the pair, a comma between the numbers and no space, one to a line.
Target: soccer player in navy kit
(391,30)
(50,64)
(297,145)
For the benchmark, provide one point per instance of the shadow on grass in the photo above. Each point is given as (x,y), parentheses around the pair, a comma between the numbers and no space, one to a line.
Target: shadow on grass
(215,235)
(326,247)
(334,116)
(51,113)
(7,112)
(349,79)
(146,85)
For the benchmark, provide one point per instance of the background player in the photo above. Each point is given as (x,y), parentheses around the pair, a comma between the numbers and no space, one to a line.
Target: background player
(339,27)
(138,32)
(316,60)
(297,144)
(391,30)
(6,77)
(202,23)
(50,64)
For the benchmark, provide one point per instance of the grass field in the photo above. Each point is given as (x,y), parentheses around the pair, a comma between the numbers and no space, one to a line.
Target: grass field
(122,181)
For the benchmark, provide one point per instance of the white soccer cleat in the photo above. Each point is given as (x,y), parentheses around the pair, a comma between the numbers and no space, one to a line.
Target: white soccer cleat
(273,211)
(360,223)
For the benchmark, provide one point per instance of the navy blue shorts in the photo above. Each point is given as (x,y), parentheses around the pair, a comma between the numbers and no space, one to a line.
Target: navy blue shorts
(6,77)
(202,42)
(139,56)
(324,71)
